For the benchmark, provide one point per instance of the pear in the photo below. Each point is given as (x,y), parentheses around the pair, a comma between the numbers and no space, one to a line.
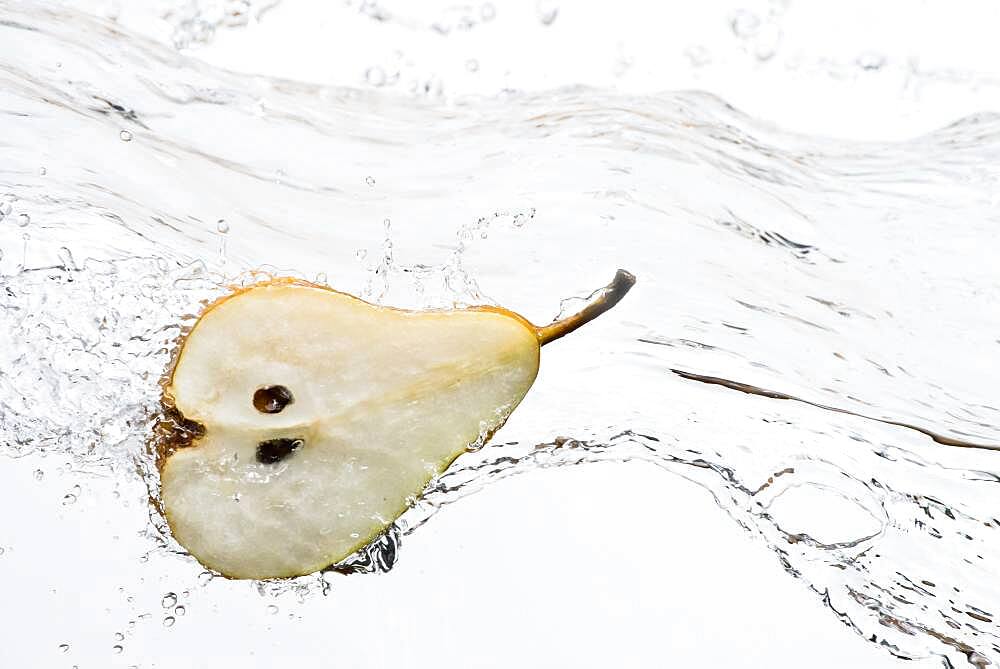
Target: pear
(307,420)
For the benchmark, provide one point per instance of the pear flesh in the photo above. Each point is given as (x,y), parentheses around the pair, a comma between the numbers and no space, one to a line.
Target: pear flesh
(382,401)
(322,417)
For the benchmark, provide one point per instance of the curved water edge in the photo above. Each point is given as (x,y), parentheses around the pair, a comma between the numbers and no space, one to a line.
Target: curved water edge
(856,279)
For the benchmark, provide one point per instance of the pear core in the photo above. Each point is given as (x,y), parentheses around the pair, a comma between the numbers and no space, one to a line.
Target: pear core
(321,418)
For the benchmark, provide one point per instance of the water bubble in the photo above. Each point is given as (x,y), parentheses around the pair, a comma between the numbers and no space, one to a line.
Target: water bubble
(5,208)
(386,223)
(169,600)
(222,226)
(169,621)
(355,535)
(370,181)
(472,65)
(871,60)
(2,551)
(361,254)
(119,636)
(39,474)
(547,11)
(125,136)
(488,12)
(375,76)
(42,171)
(180,611)
(205,577)
(272,610)
(744,24)
(23,220)
(767,42)
(117,649)
(69,499)
(64,647)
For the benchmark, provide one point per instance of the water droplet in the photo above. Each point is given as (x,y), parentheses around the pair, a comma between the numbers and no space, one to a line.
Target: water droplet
(39,474)
(547,11)
(355,535)
(472,65)
(169,621)
(488,12)
(69,499)
(5,208)
(125,136)
(119,636)
(64,647)
(370,181)
(375,76)
(870,61)
(180,610)
(205,577)
(169,600)
(272,610)
(222,226)
(745,24)
(117,650)
(23,220)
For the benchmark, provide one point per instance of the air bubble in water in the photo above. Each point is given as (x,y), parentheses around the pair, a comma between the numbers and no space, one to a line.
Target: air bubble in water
(125,136)
(222,226)
(5,208)
(42,171)
(169,600)
(169,621)
(64,647)
(375,76)
(117,649)
(119,636)
(744,24)
(23,220)
(547,11)
(370,181)
(69,499)
(180,611)
(205,577)
(272,610)
(39,474)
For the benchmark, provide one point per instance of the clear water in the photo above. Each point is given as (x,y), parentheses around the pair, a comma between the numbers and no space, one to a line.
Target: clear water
(811,339)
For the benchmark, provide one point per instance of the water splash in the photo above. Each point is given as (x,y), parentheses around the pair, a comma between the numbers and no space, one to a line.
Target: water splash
(806,341)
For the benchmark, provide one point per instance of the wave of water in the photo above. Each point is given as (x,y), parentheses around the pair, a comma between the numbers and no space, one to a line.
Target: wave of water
(810,339)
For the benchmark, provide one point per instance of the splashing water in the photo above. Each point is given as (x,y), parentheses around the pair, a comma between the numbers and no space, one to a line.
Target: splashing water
(810,339)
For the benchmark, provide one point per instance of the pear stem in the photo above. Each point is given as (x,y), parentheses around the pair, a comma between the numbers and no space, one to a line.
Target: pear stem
(606,298)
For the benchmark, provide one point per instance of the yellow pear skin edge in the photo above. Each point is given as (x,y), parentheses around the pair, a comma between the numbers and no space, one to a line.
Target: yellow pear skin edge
(174,431)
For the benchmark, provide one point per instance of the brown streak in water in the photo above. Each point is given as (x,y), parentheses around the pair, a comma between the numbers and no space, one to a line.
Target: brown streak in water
(776,395)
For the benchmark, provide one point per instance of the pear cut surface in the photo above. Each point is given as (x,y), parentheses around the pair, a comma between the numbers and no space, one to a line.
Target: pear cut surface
(384,400)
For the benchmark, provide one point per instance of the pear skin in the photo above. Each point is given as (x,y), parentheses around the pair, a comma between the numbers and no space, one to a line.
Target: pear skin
(312,419)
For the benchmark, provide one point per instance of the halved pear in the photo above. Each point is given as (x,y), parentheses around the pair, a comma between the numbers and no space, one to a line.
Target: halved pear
(322,417)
